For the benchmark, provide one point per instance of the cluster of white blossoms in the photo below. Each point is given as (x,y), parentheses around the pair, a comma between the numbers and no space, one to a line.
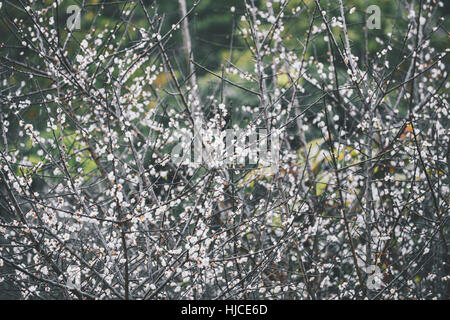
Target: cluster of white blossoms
(90,181)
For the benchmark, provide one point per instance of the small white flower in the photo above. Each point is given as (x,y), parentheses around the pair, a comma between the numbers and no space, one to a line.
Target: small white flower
(84,44)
